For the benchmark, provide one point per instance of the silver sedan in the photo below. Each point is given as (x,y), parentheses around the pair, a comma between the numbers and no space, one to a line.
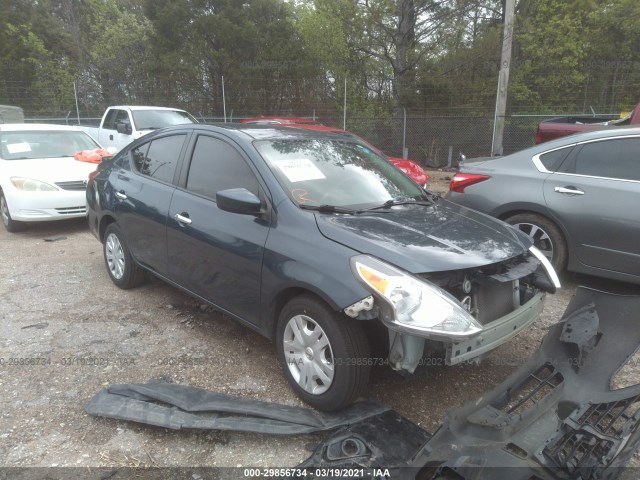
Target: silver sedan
(578,197)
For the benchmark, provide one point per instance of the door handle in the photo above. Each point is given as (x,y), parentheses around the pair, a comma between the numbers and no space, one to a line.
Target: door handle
(121,195)
(181,218)
(110,137)
(569,190)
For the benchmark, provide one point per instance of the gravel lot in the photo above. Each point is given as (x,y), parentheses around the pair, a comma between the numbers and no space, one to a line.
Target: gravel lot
(77,333)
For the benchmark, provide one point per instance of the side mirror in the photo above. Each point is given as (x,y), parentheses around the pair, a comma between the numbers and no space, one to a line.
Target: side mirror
(238,200)
(124,128)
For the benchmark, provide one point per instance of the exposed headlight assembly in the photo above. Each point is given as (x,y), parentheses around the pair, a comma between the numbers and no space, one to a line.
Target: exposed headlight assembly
(31,185)
(413,305)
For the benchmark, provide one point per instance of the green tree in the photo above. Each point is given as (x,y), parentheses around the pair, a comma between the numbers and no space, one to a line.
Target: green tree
(35,61)
(550,48)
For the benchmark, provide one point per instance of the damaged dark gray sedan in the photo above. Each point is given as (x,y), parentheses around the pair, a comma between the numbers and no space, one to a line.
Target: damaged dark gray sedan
(317,242)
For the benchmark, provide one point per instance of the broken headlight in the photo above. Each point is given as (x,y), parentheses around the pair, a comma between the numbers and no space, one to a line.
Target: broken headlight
(413,305)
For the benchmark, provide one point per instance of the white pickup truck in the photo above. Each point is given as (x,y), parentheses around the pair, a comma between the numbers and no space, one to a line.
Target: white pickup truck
(123,124)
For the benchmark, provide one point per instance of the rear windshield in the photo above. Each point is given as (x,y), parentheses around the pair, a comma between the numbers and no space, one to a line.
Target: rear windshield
(332,172)
(26,145)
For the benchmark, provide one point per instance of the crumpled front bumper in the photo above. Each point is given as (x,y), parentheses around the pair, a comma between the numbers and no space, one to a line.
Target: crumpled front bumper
(495,333)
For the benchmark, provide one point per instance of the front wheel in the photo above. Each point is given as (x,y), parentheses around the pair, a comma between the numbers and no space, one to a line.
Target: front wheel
(9,223)
(324,355)
(546,235)
(122,269)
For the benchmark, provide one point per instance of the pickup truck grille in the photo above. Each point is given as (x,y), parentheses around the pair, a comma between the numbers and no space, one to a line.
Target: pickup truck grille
(75,185)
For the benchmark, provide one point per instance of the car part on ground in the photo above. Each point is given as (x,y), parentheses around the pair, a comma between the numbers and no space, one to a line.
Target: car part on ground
(571,195)
(556,417)
(179,407)
(314,239)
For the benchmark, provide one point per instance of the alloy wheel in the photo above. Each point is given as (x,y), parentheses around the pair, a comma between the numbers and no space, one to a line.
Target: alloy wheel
(541,239)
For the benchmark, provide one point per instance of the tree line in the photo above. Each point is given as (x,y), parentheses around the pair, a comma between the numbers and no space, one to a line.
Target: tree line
(275,57)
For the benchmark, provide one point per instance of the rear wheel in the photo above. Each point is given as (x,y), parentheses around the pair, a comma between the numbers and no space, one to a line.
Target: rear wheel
(122,269)
(324,355)
(9,223)
(546,235)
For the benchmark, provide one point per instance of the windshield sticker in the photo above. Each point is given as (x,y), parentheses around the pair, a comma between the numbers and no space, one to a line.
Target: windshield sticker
(299,170)
(18,147)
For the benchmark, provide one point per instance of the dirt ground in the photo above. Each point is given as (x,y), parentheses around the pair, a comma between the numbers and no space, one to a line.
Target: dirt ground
(67,332)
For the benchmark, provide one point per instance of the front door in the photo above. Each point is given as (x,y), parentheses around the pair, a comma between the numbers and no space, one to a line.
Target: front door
(213,253)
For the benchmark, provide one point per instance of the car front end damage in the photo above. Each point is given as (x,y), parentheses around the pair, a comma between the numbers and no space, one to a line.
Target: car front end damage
(467,313)
(567,413)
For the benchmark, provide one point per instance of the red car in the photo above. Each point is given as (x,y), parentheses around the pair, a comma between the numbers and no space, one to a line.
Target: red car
(410,168)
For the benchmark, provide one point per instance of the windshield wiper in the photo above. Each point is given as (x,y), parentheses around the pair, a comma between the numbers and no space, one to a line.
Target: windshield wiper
(396,202)
(330,209)
(337,209)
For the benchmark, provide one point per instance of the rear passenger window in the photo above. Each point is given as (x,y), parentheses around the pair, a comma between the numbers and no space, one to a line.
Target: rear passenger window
(158,158)
(618,158)
(216,166)
(553,160)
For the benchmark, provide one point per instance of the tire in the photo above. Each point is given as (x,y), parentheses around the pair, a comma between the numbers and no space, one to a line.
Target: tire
(9,223)
(122,270)
(327,368)
(547,237)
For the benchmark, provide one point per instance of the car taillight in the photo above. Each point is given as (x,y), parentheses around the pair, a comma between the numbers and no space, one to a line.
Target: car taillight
(460,181)
(538,136)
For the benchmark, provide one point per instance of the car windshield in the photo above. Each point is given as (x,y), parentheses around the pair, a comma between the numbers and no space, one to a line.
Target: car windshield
(26,145)
(154,119)
(339,173)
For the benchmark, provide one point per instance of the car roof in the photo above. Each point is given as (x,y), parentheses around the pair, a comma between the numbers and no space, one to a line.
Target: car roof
(591,135)
(256,131)
(135,108)
(281,120)
(21,127)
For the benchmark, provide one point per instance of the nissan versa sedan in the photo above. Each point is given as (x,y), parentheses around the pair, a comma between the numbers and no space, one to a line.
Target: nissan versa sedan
(575,196)
(39,178)
(316,241)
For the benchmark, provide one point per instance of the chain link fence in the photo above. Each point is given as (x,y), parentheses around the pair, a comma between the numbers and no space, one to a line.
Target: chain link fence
(431,140)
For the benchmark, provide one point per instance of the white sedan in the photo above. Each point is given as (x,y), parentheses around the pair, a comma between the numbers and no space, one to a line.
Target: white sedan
(39,178)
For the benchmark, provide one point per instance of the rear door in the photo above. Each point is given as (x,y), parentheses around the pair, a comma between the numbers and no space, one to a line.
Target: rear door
(142,195)
(216,254)
(595,195)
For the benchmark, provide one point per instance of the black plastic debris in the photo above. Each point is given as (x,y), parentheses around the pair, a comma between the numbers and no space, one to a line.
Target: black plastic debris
(554,418)
(178,406)
(55,239)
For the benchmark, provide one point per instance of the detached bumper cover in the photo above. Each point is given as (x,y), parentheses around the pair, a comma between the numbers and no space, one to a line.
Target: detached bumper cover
(554,418)
(496,333)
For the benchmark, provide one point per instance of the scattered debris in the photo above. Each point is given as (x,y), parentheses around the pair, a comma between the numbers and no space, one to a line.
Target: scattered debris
(554,418)
(37,325)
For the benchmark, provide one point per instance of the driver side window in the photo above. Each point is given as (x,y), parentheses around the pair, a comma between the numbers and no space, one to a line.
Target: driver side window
(216,165)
